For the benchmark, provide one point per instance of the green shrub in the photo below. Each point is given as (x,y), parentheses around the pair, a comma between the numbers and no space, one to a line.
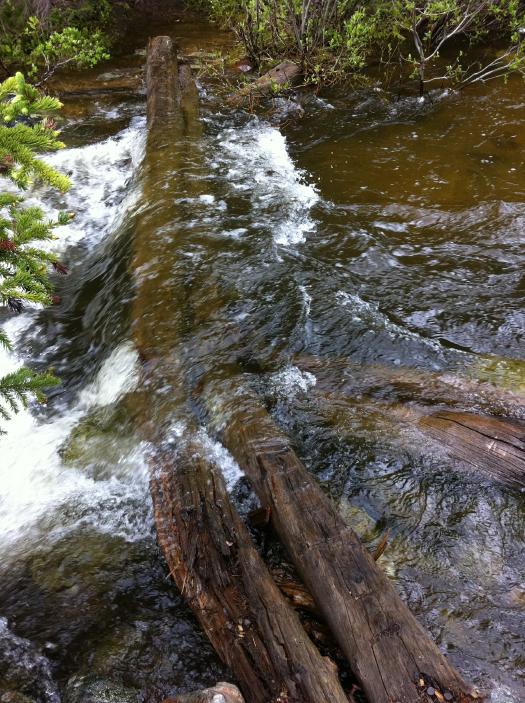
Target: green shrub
(71,34)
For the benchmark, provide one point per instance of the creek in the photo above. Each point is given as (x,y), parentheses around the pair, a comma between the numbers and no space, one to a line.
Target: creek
(382,232)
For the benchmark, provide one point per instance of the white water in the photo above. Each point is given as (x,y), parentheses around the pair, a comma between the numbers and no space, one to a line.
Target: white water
(257,161)
(35,483)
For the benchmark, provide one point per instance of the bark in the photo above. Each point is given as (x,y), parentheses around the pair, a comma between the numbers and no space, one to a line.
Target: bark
(389,652)
(493,446)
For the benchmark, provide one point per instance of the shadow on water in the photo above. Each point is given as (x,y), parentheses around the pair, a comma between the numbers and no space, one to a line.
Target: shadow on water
(370,232)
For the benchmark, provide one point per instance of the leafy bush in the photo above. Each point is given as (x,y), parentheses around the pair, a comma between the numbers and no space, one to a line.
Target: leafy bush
(342,36)
(71,34)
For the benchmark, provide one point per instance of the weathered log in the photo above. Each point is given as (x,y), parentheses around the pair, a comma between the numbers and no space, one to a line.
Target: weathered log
(389,652)
(222,577)
(208,549)
(286,73)
(494,446)
(221,693)
(343,377)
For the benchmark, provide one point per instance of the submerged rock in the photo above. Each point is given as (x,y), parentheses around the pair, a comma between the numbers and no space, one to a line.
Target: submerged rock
(221,693)
(90,689)
(98,441)
(25,674)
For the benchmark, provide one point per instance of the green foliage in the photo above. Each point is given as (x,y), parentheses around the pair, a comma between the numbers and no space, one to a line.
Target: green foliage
(70,35)
(71,46)
(26,131)
(425,31)
(430,40)
(18,387)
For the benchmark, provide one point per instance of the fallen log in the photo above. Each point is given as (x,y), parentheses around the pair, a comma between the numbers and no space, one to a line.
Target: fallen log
(227,585)
(221,693)
(208,549)
(389,652)
(285,74)
(342,377)
(494,446)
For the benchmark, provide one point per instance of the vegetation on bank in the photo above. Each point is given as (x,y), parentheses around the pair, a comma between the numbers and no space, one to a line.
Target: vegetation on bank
(26,130)
(40,37)
(433,42)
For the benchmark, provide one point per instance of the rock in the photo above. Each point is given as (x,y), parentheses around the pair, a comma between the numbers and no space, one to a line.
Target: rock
(15,697)
(285,74)
(24,671)
(90,689)
(221,693)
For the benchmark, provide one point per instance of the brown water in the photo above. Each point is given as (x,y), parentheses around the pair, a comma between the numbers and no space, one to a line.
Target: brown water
(370,231)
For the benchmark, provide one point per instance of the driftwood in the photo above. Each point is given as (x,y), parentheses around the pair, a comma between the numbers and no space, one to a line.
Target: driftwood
(209,552)
(286,73)
(221,693)
(493,446)
(389,652)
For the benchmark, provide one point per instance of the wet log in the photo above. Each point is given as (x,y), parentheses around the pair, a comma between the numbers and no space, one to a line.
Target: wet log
(343,378)
(221,693)
(207,547)
(492,445)
(219,572)
(390,654)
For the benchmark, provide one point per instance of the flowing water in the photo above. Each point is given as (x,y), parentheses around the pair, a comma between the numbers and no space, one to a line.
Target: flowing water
(370,233)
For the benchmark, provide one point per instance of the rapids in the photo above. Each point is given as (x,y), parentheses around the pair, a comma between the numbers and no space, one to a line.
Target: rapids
(375,231)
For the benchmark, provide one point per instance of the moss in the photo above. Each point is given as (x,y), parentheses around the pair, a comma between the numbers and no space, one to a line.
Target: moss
(98,441)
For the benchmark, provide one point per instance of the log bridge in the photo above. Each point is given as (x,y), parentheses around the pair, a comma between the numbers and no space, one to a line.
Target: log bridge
(208,549)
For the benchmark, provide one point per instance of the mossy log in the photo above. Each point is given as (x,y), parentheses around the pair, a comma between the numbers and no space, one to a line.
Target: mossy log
(390,654)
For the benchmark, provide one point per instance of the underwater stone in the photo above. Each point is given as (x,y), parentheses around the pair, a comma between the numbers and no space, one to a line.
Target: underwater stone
(90,689)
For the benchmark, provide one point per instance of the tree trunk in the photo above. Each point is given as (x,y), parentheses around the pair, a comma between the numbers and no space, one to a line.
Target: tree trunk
(389,652)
